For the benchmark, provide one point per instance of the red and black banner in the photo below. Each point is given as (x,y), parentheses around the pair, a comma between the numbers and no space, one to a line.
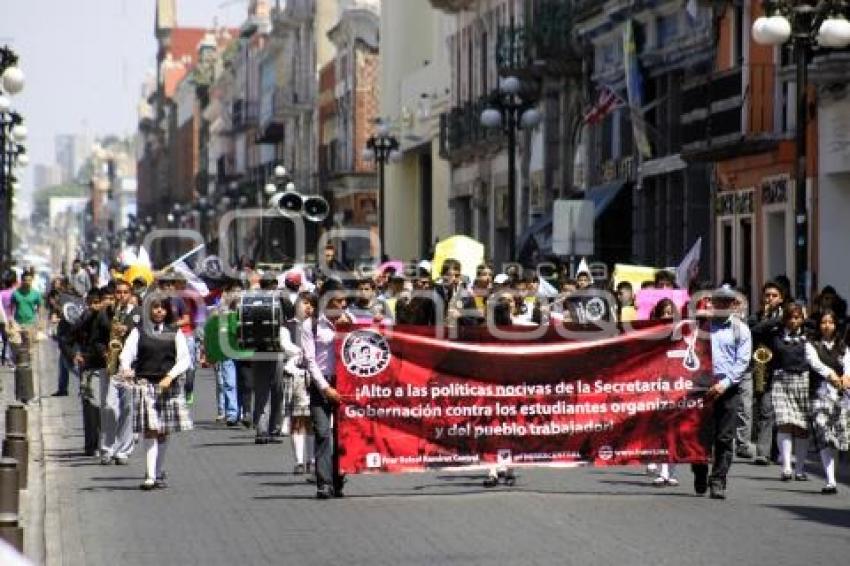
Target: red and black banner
(415,402)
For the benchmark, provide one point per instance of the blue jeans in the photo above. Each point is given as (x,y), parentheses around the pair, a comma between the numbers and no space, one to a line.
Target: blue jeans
(225,374)
(65,369)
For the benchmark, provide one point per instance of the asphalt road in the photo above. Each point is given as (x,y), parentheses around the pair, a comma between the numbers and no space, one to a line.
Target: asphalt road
(234,502)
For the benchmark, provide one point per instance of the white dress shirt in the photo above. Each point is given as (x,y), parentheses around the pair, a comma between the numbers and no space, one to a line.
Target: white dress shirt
(131,350)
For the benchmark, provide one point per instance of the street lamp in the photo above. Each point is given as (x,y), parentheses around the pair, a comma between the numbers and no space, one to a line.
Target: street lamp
(510,112)
(12,133)
(381,148)
(804,23)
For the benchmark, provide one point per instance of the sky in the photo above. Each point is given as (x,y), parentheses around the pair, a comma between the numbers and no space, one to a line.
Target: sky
(85,61)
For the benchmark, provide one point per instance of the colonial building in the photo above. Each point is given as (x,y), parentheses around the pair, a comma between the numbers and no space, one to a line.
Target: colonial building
(347,113)
(531,41)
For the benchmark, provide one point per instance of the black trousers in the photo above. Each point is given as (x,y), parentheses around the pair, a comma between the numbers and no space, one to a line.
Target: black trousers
(722,437)
(764,422)
(245,388)
(268,390)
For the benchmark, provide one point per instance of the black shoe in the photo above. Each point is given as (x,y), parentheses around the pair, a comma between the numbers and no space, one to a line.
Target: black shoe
(761,461)
(148,484)
(60,394)
(232,423)
(274,440)
(246,423)
(261,440)
(801,477)
(310,479)
(829,490)
(324,492)
(700,483)
(340,486)
(299,470)
(717,492)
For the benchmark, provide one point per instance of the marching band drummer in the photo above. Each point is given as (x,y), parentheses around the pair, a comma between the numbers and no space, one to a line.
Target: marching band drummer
(157,356)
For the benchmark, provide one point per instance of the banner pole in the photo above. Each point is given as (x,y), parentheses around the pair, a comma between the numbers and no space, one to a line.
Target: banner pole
(338,480)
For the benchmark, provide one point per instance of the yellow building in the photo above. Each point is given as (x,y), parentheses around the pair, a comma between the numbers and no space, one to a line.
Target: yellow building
(414,92)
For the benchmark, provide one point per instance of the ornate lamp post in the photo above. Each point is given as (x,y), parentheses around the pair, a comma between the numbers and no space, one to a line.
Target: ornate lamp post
(381,148)
(510,112)
(804,24)
(12,135)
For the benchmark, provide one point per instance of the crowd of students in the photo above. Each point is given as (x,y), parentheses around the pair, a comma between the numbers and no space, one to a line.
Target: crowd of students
(141,390)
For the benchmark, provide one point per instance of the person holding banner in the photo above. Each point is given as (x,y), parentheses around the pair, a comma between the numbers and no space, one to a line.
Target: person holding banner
(731,349)
(317,341)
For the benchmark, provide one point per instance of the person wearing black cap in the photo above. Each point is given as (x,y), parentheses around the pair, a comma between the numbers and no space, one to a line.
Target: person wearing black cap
(731,350)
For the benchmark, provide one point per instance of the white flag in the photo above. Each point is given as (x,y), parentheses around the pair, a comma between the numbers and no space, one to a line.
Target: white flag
(192,280)
(689,268)
(583,267)
(545,289)
(144,258)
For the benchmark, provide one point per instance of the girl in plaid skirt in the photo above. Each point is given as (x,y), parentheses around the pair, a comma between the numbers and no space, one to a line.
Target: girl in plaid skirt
(157,356)
(829,359)
(790,393)
(296,383)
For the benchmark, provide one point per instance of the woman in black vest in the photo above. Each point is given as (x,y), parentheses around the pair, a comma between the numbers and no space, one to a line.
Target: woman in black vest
(790,393)
(157,356)
(829,359)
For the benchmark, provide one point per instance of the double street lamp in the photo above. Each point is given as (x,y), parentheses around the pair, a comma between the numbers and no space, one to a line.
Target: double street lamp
(381,148)
(510,112)
(805,25)
(12,135)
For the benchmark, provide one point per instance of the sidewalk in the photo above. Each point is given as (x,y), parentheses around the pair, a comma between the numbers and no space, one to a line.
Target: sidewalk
(32,501)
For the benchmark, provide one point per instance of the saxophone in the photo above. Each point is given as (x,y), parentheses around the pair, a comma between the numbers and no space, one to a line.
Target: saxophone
(116,343)
(761,358)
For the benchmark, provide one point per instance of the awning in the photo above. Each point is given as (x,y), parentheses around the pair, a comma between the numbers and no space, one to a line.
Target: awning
(541,233)
(603,195)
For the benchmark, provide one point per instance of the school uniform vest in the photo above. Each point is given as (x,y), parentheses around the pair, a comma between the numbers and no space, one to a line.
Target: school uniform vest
(156,354)
(831,357)
(790,353)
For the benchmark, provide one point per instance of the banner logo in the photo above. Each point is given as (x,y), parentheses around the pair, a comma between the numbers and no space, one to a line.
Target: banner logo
(365,353)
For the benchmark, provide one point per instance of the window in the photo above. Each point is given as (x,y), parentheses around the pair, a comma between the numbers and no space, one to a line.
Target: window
(667,29)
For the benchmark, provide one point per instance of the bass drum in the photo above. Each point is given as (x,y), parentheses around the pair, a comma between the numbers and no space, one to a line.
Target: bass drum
(260,316)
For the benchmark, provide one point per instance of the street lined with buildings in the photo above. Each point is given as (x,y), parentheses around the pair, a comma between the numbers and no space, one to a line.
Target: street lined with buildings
(232,501)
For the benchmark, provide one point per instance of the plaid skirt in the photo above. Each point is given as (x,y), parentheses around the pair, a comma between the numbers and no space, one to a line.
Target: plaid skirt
(829,418)
(296,398)
(791,402)
(158,411)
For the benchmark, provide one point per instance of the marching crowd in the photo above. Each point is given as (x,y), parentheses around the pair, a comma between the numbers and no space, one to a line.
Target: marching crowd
(135,346)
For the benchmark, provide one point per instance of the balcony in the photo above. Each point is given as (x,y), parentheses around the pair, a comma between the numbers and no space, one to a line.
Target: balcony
(331,160)
(461,132)
(275,106)
(542,47)
(243,115)
(719,121)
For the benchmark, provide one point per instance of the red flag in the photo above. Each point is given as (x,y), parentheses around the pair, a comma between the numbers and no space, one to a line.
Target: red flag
(606,101)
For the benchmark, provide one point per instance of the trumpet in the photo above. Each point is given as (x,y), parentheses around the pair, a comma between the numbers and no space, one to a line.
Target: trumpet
(762,357)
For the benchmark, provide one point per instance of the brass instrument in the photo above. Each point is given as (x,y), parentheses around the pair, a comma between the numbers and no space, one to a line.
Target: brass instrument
(762,357)
(116,343)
